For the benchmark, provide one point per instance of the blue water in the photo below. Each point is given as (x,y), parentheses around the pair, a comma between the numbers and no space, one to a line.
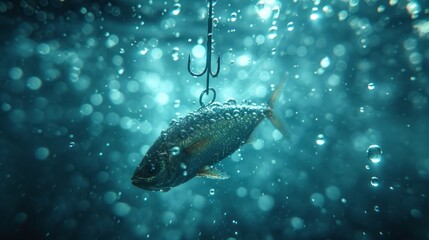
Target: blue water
(86,87)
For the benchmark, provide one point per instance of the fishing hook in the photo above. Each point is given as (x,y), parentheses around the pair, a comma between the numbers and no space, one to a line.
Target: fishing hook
(208,67)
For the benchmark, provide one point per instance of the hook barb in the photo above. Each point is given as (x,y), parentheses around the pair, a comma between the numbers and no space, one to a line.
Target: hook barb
(192,73)
(217,68)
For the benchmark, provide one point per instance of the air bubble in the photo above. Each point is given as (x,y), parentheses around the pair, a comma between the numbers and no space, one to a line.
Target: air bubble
(175,54)
(176,103)
(121,209)
(72,144)
(325,62)
(15,73)
(215,22)
(176,9)
(374,153)
(276,12)
(376,208)
(375,182)
(320,140)
(175,151)
(231,101)
(212,191)
(34,83)
(272,32)
(42,153)
(233,17)
(371,86)
(297,223)
(290,26)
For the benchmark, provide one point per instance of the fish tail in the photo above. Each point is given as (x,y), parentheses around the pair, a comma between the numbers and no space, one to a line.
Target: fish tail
(271,115)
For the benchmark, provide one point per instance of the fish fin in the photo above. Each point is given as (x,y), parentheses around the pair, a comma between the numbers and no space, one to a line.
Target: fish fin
(212,173)
(279,125)
(276,94)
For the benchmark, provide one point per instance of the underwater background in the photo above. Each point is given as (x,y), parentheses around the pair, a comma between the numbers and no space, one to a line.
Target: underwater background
(87,86)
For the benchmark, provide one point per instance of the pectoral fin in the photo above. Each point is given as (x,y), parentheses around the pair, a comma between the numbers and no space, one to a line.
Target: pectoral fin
(212,173)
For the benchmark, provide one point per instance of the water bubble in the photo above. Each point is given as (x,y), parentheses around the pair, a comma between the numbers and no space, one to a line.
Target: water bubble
(272,32)
(317,199)
(121,209)
(314,16)
(43,48)
(297,223)
(231,101)
(212,191)
(72,144)
(41,153)
(375,182)
(374,153)
(34,83)
(215,22)
(416,213)
(175,54)
(233,17)
(413,9)
(266,203)
(376,208)
(176,9)
(325,62)
(333,193)
(320,140)
(176,103)
(112,41)
(15,73)
(290,26)
(371,86)
(110,197)
(198,51)
(175,151)
(144,51)
(21,217)
(183,165)
(276,12)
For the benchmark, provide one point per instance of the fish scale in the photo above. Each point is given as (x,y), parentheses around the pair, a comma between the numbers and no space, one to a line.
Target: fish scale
(216,129)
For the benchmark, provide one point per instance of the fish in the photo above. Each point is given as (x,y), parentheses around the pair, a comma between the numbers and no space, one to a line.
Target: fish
(191,146)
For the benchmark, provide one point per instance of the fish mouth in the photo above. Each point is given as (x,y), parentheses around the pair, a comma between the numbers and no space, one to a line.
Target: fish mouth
(146,184)
(140,182)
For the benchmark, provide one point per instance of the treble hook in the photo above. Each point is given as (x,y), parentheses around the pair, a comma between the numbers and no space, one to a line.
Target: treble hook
(208,67)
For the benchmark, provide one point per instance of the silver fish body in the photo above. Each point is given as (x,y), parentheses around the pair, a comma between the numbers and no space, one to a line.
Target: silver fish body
(199,140)
(192,145)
